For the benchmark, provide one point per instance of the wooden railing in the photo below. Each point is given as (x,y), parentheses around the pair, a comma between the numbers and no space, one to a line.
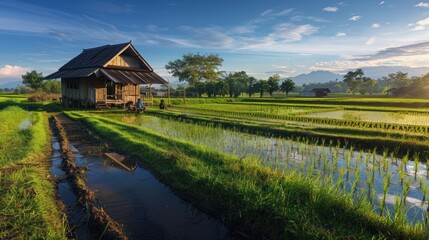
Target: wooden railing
(147,100)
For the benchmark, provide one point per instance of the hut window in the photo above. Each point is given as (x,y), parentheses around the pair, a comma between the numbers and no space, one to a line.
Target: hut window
(73,83)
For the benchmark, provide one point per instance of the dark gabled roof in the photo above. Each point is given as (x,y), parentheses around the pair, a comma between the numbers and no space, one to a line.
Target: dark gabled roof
(94,60)
(99,56)
(72,73)
(321,90)
(132,77)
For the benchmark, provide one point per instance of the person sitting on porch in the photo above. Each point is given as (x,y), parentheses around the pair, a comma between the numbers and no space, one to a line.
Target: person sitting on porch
(140,106)
(130,106)
(162,105)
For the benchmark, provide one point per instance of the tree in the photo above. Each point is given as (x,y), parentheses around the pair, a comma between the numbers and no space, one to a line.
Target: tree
(51,86)
(273,83)
(195,68)
(368,85)
(261,86)
(399,79)
(237,83)
(251,86)
(354,80)
(222,88)
(200,87)
(287,86)
(33,79)
(211,88)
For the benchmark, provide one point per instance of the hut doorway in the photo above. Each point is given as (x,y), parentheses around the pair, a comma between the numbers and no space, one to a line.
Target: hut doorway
(110,90)
(114,91)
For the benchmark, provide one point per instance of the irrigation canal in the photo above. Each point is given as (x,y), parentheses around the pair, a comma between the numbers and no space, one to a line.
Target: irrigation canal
(145,207)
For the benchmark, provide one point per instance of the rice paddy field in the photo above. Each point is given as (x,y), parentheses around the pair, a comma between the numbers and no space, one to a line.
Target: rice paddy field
(331,168)
(382,180)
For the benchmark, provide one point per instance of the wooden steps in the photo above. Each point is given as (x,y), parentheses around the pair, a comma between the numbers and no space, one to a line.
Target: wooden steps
(102,106)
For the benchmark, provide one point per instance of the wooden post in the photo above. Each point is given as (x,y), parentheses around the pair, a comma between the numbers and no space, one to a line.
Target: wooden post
(184,93)
(150,94)
(168,93)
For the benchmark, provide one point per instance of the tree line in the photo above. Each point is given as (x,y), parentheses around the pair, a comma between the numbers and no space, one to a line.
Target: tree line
(202,74)
(356,82)
(33,82)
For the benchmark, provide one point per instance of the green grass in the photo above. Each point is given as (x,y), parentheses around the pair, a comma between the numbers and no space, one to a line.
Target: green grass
(27,193)
(245,195)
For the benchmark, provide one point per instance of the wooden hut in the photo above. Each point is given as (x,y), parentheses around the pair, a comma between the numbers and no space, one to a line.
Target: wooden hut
(105,76)
(315,92)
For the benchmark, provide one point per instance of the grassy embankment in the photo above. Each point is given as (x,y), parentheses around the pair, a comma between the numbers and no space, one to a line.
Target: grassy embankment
(21,100)
(249,197)
(27,195)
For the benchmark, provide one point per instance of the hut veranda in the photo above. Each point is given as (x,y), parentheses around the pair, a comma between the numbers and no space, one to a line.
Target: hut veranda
(105,76)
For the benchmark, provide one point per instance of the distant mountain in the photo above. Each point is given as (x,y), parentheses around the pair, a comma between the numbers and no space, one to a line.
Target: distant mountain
(372,72)
(316,76)
(10,84)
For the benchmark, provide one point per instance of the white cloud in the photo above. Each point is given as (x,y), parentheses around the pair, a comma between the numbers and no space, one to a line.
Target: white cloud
(355,18)
(291,32)
(209,37)
(382,2)
(284,12)
(422,5)
(370,41)
(375,25)
(418,28)
(279,66)
(330,9)
(421,25)
(340,34)
(414,56)
(266,12)
(12,71)
(423,22)
(243,29)
(272,13)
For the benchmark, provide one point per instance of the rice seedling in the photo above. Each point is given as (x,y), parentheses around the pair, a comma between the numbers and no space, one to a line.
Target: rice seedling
(386,185)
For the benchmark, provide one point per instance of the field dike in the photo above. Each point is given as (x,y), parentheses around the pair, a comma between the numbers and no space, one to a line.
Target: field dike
(401,148)
(248,197)
(98,220)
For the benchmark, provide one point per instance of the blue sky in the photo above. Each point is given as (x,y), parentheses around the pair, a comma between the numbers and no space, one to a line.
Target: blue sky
(259,37)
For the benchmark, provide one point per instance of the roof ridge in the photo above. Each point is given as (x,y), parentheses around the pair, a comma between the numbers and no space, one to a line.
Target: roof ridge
(107,45)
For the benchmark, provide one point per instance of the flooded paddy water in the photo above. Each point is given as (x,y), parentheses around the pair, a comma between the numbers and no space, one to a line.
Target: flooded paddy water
(394,186)
(375,116)
(145,207)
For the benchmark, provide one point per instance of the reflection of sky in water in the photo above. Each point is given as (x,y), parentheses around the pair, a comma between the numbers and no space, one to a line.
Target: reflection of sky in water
(25,124)
(375,116)
(326,162)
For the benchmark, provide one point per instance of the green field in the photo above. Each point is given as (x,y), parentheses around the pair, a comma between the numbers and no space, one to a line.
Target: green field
(338,167)
(27,194)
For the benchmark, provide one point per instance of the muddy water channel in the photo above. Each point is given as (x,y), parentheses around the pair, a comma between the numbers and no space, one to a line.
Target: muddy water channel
(396,187)
(145,207)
